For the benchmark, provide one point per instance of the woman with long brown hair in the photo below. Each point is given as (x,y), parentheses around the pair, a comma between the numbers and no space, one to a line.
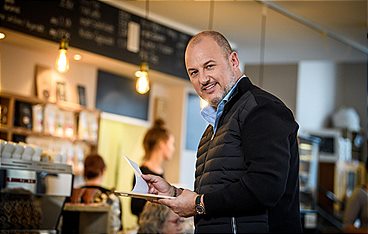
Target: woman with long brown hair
(158,144)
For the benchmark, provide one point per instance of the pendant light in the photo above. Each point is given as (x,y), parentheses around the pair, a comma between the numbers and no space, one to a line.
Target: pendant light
(62,62)
(143,84)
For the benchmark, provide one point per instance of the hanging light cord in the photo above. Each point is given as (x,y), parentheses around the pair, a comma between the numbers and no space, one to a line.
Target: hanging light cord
(147,9)
(262,46)
(212,10)
(145,56)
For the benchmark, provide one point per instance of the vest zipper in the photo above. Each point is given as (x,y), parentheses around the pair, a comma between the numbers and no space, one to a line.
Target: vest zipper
(233,225)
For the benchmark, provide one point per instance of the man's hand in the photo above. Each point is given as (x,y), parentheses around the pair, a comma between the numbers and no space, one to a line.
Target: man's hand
(183,205)
(158,185)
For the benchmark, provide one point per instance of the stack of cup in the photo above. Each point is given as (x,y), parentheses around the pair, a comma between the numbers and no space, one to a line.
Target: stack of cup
(8,150)
(37,154)
(28,152)
(19,149)
(2,145)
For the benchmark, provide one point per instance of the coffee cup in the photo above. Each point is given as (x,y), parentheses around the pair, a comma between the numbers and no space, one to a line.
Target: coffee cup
(37,154)
(19,149)
(28,152)
(8,150)
(2,144)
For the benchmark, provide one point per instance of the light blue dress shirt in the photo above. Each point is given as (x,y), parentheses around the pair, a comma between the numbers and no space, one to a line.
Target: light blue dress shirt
(211,115)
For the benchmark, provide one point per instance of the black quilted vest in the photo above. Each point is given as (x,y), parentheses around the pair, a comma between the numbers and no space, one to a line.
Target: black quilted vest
(214,170)
(221,161)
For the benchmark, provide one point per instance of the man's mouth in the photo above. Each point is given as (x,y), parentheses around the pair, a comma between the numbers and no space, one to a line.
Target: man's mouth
(208,87)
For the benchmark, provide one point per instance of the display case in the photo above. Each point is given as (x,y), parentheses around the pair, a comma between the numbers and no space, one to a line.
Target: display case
(308,178)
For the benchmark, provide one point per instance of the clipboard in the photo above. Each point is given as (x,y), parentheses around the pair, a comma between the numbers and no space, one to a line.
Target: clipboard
(145,196)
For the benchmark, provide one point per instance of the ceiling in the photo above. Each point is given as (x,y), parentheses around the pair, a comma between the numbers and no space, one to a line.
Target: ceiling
(296,31)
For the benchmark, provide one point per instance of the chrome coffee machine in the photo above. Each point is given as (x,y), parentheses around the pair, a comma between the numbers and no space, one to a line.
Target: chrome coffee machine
(32,195)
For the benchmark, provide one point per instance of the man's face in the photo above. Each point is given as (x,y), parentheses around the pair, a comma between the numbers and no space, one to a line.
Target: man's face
(211,72)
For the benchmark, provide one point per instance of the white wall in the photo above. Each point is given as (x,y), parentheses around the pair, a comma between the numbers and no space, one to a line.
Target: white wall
(19,71)
(316,94)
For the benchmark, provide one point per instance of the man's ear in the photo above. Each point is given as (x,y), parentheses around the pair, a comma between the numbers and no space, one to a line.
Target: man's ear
(234,60)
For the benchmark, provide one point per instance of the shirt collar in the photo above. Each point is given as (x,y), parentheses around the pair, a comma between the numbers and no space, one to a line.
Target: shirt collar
(209,112)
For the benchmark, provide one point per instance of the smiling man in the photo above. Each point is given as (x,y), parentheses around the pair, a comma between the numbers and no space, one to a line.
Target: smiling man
(213,72)
(247,166)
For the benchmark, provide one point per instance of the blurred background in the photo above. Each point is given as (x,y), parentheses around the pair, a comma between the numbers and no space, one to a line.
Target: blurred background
(311,54)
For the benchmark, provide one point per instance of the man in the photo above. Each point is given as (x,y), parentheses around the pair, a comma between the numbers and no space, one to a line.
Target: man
(247,167)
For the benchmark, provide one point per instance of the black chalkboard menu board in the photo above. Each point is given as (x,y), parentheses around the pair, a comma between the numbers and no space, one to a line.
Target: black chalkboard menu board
(99,28)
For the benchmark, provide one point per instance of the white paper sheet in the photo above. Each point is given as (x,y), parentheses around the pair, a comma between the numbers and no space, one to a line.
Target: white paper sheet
(141,188)
(141,185)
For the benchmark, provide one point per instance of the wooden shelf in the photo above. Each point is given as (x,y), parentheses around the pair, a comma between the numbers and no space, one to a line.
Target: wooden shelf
(27,132)
(65,106)
(11,131)
(29,99)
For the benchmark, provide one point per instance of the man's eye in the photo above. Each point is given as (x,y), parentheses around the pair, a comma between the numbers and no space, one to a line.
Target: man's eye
(209,66)
(193,73)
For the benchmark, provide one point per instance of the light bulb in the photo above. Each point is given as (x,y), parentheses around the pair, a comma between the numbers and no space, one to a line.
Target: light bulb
(142,85)
(62,62)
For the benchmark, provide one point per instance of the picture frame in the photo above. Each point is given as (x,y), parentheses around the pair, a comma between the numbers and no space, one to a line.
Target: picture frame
(82,95)
(60,91)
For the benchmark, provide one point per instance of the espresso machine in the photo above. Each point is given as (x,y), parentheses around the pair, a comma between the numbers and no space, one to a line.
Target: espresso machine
(32,195)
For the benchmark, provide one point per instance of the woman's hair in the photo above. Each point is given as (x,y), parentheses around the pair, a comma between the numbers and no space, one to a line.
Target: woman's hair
(153,136)
(153,218)
(94,165)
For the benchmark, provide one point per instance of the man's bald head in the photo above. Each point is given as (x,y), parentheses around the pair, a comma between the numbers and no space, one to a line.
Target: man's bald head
(216,36)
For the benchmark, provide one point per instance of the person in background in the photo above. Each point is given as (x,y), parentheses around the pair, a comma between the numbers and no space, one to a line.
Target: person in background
(93,192)
(357,209)
(157,218)
(158,144)
(247,167)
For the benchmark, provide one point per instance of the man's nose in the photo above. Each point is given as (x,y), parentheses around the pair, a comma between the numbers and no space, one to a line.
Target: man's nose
(203,78)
